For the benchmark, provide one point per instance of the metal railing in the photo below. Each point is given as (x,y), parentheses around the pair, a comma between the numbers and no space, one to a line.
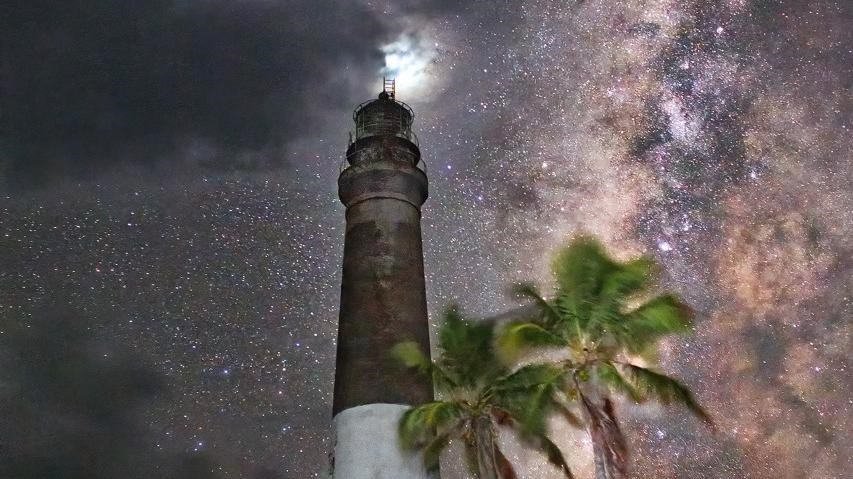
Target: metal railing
(383,121)
(421,164)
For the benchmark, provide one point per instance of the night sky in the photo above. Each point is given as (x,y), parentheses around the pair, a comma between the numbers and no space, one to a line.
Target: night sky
(171,237)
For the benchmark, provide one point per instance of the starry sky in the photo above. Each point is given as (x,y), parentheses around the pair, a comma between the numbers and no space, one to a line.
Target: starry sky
(171,237)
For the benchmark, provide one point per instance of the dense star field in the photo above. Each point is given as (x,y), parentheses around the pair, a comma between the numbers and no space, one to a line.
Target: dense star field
(171,237)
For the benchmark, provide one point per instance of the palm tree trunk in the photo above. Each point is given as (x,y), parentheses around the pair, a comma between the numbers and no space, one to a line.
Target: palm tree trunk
(599,461)
(608,444)
(487,463)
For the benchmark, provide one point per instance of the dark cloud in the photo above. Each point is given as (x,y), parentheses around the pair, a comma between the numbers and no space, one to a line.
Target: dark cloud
(75,404)
(714,134)
(88,84)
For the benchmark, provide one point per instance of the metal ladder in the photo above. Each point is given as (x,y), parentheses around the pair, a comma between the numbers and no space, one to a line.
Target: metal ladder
(389,87)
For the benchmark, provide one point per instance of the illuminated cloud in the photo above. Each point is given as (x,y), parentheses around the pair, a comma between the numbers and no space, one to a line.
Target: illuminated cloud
(409,61)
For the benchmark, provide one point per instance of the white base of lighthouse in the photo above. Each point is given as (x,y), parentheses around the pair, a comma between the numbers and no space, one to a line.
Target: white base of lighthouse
(366,445)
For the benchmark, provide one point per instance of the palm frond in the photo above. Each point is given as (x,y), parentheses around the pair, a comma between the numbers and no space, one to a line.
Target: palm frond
(553,454)
(528,409)
(529,290)
(569,415)
(528,395)
(579,265)
(660,316)
(604,317)
(432,452)
(531,376)
(409,354)
(619,283)
(581,268)
(470,453)
(505,469)
(663,388)
(516,339)
(421,425)
(628,278)
(608,374)
(467,350)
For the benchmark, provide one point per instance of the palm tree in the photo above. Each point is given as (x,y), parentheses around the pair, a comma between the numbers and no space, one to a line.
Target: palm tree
(479,394)
(603,313)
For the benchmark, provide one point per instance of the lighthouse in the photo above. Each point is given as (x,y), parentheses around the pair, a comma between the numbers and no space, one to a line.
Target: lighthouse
(383,297)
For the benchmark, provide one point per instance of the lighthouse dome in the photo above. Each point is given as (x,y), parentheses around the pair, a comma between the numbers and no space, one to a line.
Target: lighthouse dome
(384,116)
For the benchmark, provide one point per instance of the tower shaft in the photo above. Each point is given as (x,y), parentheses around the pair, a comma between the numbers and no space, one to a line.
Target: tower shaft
(383,297)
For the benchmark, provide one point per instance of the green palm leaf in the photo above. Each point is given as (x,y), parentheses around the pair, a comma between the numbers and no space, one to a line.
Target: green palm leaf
(505,469)
(581,270)
(531,376)
(663,389)
(581,266)
(421,425)
(470,454)
(527,395)
(562,400)
(432,452)
(608,374)
(660,316)
(529,290)
(467,353)
(627,279)
(591,313)
(484,389)
(528,410)
(518,338)
(554,455)
(409,354)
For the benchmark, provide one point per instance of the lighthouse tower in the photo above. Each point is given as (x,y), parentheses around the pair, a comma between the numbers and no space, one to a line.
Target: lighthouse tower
(383,300)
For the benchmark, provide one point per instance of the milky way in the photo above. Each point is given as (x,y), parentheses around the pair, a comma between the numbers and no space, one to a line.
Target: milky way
(187,250)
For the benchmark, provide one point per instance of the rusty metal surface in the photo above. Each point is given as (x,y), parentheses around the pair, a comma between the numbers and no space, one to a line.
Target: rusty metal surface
(383,180)
(384,117)
(383,148)
(383,298)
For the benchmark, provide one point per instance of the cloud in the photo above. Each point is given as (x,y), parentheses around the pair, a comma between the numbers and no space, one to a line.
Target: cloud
(75,405)
(87,85)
